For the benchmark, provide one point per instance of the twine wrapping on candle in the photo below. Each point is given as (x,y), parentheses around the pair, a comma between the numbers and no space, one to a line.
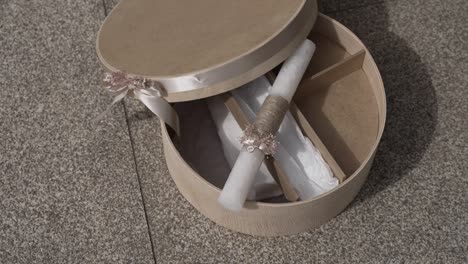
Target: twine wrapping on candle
(271,114)
(262,133)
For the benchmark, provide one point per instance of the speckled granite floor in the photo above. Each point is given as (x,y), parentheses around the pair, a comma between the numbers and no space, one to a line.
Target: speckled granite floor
(73,191)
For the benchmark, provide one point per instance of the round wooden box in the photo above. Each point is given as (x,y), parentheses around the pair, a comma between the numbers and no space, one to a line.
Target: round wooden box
(341,107)
(202,48)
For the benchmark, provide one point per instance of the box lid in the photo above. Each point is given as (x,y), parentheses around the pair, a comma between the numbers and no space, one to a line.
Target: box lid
(201,48)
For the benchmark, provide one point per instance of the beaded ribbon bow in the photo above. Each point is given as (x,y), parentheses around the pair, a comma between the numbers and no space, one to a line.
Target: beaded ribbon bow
(145,90)
(253,139)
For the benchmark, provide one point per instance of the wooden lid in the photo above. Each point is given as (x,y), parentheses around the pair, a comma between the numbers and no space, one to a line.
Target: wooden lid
(205,47)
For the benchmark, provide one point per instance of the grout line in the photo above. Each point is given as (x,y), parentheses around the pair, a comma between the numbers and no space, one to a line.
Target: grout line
(139,180)
(136,164)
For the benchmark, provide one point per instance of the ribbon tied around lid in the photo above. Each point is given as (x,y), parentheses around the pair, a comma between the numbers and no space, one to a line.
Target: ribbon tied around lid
(147,91)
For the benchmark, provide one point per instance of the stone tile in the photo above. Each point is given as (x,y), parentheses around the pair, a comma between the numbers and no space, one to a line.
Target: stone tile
(413,207)
(333,6)
(68,187)
(354,4)
(327,6)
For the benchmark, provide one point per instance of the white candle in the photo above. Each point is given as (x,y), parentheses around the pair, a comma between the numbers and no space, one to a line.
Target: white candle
(240,180)
(247,164)
(292,71)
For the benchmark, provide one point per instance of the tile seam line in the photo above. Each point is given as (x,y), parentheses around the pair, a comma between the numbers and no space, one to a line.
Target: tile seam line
(132,145)
(139,181)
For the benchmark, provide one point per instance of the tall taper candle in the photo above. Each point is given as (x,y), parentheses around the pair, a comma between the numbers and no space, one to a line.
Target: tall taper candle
(247,164)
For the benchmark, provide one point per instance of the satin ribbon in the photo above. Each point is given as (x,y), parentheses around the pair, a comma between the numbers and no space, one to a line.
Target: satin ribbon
(147,91)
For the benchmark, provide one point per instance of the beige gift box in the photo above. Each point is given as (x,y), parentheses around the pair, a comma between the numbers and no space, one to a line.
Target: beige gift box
(197,49)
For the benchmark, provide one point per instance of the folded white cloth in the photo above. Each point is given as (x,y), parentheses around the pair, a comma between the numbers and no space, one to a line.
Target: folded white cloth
(302,163)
